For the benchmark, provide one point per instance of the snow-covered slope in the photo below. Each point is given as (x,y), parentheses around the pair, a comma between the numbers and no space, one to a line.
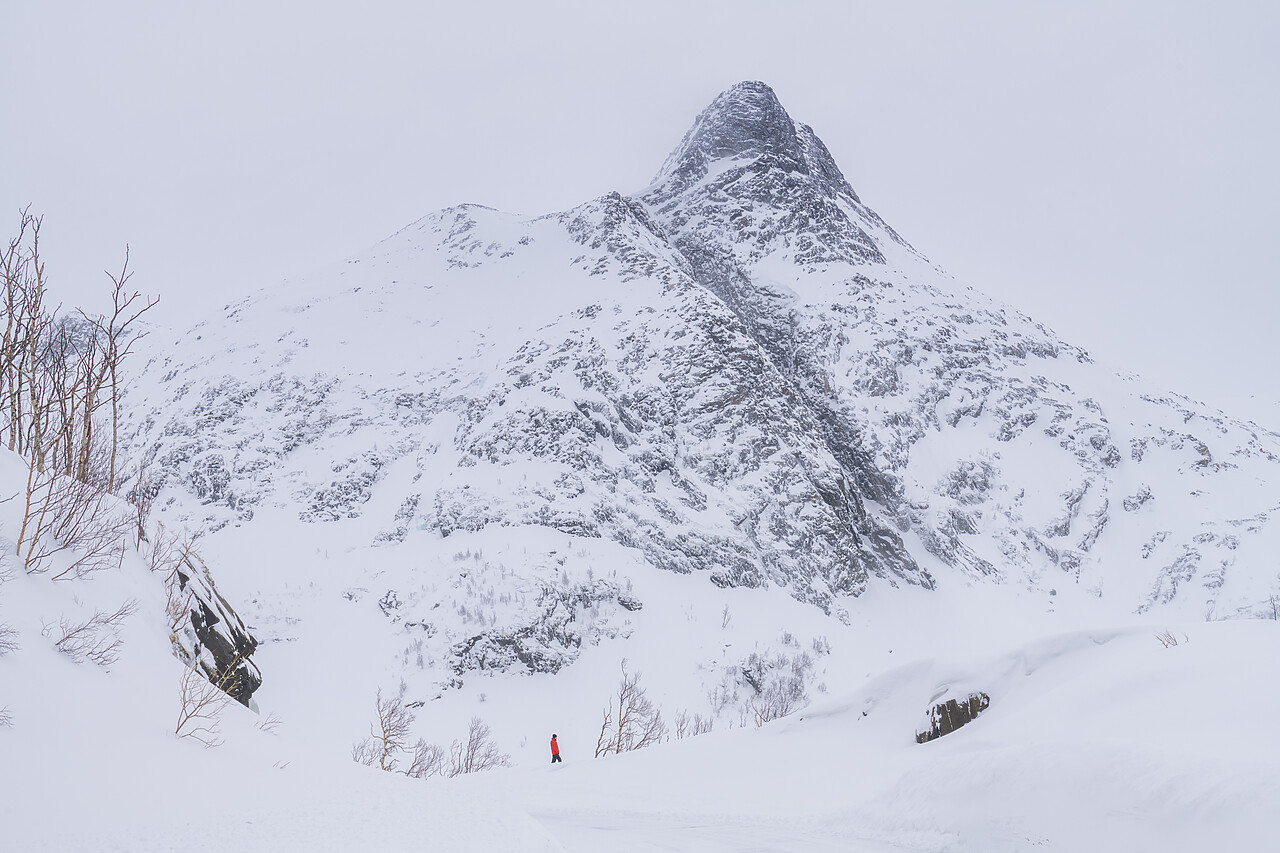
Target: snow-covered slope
(92,763)
(1093,741)
(1095,738)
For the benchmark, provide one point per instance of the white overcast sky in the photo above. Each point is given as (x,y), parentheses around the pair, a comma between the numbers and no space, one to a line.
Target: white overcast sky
(1111,168)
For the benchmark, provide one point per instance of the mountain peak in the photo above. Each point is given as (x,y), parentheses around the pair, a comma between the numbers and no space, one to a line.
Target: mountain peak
(747,121)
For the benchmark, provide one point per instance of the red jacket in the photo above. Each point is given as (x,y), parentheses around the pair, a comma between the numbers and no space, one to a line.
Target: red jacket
(555,747)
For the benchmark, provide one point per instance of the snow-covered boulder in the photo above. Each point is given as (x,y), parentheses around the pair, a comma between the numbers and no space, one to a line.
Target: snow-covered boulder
(945,717)
(211,635)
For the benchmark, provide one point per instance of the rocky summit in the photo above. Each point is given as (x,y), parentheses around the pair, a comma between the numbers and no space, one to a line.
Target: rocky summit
(739,372)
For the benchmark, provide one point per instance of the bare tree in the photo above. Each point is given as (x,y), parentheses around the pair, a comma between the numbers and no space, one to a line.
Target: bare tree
(96,640)
(392,735)
(12,268)
(388,737)
(68,516)
(388,744)
(118,335)
(201,703)
(57,375)
(633,723)
(477,752)
(26,357)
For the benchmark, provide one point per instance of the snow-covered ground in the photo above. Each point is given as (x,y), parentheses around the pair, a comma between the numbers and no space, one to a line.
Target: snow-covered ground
(1098,735)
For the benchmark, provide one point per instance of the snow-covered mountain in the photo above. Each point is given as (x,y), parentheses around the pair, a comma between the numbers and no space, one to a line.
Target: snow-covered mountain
(740,370)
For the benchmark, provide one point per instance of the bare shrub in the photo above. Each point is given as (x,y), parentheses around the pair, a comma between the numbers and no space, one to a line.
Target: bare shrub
(269,724)
(428,760)
(166,552)
(72,517)
(477,752)
(166,548)
(388,745)
(178,597)
(634,722)
(723,694)
(779,686)
(781,699)
(687,726)
(201,703)
(1168,639)
(365,752)
(8,643)
(95,640)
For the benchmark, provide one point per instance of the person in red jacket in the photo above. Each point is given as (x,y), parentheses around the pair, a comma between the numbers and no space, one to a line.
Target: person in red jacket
(555,750)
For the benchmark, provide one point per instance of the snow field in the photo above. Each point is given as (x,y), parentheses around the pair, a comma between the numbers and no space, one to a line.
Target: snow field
(1097,735)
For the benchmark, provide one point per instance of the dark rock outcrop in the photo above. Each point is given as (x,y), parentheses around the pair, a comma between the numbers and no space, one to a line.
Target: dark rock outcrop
(946,717)
(549,639)
(212,636)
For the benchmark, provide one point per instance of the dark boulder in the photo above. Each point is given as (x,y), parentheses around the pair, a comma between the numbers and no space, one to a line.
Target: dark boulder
(946,717)
(214,637)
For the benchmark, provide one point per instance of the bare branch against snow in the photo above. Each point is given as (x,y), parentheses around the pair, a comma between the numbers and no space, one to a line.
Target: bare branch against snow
(8,640)
(96,640)
(201,703)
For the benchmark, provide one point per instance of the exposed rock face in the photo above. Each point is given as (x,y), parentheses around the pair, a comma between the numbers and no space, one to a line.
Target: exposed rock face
(945,717)
(770,180)
(214,637)
(549,639)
